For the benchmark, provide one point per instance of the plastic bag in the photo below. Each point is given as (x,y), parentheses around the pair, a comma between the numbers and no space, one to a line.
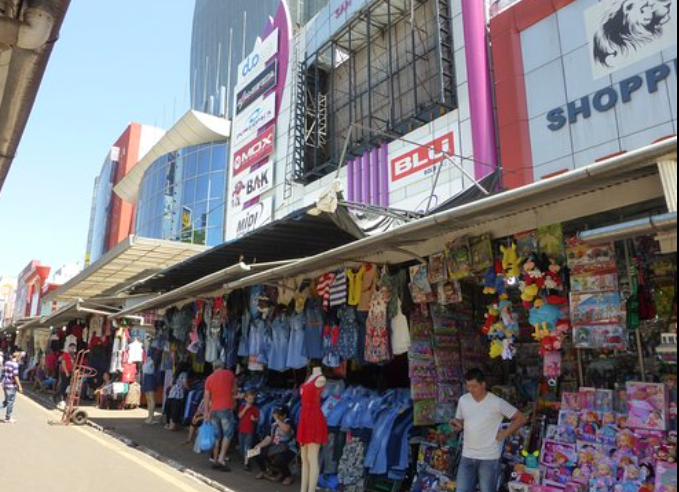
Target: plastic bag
(207,437)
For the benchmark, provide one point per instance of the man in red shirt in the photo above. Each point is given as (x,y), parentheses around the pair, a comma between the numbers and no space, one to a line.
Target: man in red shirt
(220,395)
(65,373)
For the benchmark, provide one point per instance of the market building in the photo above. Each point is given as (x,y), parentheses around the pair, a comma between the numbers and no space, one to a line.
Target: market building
(372,221)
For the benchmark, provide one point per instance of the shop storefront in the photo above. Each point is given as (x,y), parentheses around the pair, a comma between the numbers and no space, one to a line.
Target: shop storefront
(560,292)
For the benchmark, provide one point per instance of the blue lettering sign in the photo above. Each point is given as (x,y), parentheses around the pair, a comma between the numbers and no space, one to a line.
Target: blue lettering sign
(608,98)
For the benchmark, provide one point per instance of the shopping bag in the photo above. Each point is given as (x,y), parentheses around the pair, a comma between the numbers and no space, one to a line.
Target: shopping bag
(207,437)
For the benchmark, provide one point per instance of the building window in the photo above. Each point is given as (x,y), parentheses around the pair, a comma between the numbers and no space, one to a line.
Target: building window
(177,192)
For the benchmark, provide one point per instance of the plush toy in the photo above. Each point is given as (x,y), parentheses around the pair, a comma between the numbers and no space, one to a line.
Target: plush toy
(550,343)
(494,280)
(508,349)
(548,314)
(541,331)
(492,317)
(496,349)
(509,318)
(553,279)
(532,272)
(531,460)
(528,294)
(511,264)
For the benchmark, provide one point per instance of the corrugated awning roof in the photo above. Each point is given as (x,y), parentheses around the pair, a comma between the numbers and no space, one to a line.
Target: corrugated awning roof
(206,286)
(297,236)
(194,128)
(614,184)
(133,259)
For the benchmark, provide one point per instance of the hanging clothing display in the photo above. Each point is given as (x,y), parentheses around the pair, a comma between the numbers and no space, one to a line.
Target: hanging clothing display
(280,344)
(368,286)
(377,329)
(313,334)
(297,358)
(355,285)
(135,352)
(338,291)
(348,333)
(400,332)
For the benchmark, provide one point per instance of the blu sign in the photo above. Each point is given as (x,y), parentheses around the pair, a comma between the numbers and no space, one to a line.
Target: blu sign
(608,98)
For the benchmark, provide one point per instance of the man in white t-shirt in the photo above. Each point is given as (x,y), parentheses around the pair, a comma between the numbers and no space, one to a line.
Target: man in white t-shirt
(480,415)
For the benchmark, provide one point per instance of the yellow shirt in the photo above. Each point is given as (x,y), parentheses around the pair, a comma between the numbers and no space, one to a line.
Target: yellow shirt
(355,280)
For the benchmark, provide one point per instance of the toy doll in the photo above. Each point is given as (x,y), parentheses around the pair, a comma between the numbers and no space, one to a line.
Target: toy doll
(603,480)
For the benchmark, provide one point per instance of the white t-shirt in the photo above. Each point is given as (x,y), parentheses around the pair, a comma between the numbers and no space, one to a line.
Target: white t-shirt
(482,422)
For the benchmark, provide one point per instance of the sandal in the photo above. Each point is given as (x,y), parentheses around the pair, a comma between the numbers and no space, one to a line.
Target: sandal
(288,482)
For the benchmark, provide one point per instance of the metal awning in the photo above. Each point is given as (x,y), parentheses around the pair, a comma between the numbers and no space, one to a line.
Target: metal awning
(131,260)
(194,128)
(209,286)
(620,182)
(28,34)
(298,235)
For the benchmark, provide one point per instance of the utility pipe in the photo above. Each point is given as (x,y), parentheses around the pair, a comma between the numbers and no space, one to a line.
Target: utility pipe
(640,227)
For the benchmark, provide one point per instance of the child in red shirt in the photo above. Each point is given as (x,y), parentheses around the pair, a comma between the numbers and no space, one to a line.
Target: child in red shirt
(248,415)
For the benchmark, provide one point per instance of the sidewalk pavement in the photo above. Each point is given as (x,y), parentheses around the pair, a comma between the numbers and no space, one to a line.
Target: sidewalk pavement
(128,426)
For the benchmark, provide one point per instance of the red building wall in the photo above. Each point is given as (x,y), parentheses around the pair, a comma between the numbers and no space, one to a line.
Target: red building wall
(121,223)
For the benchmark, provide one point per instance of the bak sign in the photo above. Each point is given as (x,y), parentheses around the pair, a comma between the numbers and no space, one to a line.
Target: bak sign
(256,151)
(418,160)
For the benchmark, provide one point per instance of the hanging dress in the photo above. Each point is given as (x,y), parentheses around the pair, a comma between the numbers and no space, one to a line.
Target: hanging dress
(377,329)
(313,427)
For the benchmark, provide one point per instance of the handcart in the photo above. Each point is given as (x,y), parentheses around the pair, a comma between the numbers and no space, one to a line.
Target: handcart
(72,413)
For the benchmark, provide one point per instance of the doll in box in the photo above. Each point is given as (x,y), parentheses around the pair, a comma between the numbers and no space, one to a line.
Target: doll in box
(666,477)
(589,426)
(646,403)
(626,445)
(568,418)
(604,400)
(571,401)
(604,477)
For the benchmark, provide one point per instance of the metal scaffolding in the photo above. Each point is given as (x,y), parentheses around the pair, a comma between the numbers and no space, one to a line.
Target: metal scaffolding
(391,69)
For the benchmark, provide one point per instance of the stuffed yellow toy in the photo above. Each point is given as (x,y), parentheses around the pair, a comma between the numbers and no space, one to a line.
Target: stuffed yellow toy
(511,263)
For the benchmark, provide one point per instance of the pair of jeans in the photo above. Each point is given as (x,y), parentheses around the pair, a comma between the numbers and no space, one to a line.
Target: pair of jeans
(246,442)
(10,400)
(225,423)
(473,473)
(64,383)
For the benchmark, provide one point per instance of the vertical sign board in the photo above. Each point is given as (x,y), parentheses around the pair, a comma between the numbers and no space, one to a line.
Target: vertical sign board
(250,145)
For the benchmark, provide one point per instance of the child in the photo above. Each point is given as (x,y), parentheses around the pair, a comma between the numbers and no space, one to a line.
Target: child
(248,416)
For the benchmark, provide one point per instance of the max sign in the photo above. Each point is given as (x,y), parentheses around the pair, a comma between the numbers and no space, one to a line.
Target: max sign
(421,158)
(256,151)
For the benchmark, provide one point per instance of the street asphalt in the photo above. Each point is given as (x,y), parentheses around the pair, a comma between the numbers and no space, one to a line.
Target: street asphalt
(38,457)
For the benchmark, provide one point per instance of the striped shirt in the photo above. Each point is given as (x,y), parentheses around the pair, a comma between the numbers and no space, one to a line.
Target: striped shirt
(323,286)
(11,372)
(338,291)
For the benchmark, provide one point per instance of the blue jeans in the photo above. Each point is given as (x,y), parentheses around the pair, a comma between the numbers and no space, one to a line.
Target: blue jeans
(10,399)
(246,442)
(477,472)
(225,422)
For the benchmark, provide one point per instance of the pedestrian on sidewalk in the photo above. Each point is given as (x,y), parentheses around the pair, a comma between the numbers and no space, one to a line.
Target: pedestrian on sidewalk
(65,374)
(480,415)
(220,396)
(11,383)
